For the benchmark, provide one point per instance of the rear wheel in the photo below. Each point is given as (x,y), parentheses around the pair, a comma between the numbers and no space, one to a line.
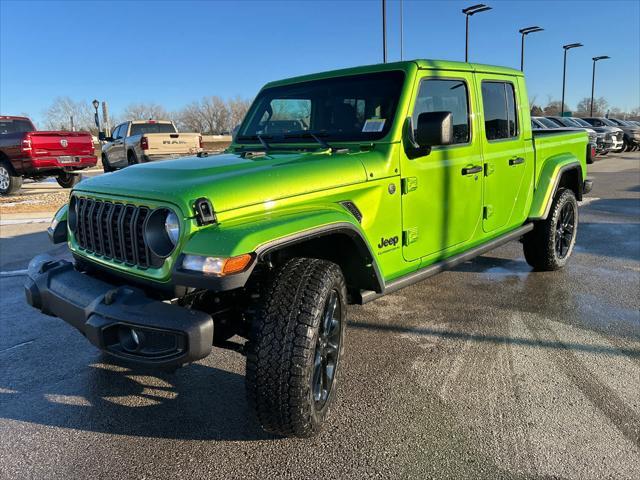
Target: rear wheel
(68,180)
(550,244)
(295,346)
(131,158)
(9,182)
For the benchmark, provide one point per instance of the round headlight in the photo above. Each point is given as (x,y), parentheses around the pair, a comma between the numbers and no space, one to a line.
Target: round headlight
(172,227)
(162,231)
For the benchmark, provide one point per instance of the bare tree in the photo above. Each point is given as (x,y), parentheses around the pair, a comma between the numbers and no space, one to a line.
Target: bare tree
(145,111)
(58,115)
(553,108)
(600,106)
(237,110)
(190,119)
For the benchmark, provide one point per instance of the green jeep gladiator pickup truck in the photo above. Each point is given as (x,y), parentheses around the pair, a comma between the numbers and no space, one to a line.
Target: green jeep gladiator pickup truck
(338,188)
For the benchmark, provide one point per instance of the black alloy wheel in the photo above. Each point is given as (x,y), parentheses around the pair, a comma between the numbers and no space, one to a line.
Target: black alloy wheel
(326,355)
(564,230)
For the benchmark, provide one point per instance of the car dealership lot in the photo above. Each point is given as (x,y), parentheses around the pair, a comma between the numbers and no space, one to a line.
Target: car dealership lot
(489,371)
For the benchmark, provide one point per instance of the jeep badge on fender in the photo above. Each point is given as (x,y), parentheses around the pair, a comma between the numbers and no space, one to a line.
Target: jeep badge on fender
(387,242)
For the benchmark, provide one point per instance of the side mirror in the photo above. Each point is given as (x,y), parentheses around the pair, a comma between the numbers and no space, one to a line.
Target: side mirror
(104,138)
(434,129)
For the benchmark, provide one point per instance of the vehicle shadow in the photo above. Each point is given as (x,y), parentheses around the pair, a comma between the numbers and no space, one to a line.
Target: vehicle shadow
(194,403)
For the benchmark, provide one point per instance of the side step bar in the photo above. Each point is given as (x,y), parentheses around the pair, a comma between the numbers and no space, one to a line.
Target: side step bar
(447,264)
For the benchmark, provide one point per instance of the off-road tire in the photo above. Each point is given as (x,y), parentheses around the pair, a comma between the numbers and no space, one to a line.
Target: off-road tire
(10,183)
(540,248)
(284,338)
(68,180)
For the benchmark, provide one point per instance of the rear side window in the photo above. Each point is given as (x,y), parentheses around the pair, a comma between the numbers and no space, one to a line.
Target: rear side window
(445,96)
(142,128)
(499,103)
(9,126)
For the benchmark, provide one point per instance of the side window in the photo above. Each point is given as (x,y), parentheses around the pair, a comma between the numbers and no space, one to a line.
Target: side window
(123,130)
(116,132)
(445,96)
(500,116)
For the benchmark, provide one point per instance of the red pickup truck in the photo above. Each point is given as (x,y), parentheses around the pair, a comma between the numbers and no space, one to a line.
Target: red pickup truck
(27,153)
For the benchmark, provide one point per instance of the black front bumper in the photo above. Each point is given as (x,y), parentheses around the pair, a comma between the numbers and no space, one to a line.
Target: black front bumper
(121,321)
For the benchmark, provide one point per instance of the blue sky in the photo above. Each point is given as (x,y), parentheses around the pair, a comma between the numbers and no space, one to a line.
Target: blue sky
(172,52)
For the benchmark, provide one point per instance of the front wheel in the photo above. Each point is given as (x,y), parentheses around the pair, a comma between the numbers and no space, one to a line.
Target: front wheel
(295,346)
(68,180)
(550,244)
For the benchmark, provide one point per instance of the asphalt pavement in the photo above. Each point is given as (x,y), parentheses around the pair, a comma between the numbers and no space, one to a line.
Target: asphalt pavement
(487,371)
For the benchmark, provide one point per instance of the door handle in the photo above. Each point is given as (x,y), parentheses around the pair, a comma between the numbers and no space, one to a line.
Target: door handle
(471,170)
(516,161)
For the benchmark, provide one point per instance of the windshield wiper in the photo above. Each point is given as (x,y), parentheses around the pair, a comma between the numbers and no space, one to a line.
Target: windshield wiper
(313,135)
(259,137)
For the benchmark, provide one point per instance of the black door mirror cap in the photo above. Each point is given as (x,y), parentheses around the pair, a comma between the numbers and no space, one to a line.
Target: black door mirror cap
(434,129)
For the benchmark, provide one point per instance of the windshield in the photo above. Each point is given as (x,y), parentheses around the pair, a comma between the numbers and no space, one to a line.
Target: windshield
(349,108)
(570,122)
(606,121)
(582,123)
(547,122)
(142,128)
(11,125)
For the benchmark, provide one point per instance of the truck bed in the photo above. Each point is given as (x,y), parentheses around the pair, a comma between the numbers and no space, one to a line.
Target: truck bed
(550,143)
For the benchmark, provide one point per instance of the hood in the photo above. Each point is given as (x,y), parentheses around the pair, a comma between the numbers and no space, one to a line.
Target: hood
(230,180)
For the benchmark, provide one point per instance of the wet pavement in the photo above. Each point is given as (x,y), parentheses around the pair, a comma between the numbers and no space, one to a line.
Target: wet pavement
(487,371)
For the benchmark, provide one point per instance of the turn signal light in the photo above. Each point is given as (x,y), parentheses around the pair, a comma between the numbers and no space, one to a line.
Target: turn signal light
(236,264)
(219,266)
(144,143)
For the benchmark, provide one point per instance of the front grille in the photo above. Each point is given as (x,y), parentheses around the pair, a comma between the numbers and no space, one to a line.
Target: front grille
(113,231)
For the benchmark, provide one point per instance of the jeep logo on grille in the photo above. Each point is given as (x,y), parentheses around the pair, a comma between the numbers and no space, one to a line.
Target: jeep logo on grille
(64,143)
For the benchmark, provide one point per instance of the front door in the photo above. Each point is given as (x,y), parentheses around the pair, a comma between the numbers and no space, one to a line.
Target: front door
(442,191)
(508,164)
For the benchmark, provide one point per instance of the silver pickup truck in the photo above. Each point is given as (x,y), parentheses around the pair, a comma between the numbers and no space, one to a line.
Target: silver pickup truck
(145,141)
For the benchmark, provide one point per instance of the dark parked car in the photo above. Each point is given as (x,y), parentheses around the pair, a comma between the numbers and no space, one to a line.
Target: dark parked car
(595,136)
(631,132)
(616,131)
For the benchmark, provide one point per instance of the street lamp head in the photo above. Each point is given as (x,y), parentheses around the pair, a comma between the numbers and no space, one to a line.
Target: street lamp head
(526,31)
(95,104)
(572,45)
(481,7)
(602,57)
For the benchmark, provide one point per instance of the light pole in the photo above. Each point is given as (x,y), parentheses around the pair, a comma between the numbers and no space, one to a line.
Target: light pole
(593,79)
(96,104)
(384,31)
(469,11)
(401,32)
(525,32)
(564,71)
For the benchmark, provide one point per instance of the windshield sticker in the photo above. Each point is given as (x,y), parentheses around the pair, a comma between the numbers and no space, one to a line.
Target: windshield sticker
(373,125)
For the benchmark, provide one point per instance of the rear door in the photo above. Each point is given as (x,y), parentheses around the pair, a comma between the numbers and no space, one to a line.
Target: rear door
(508,163)
(442,191)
